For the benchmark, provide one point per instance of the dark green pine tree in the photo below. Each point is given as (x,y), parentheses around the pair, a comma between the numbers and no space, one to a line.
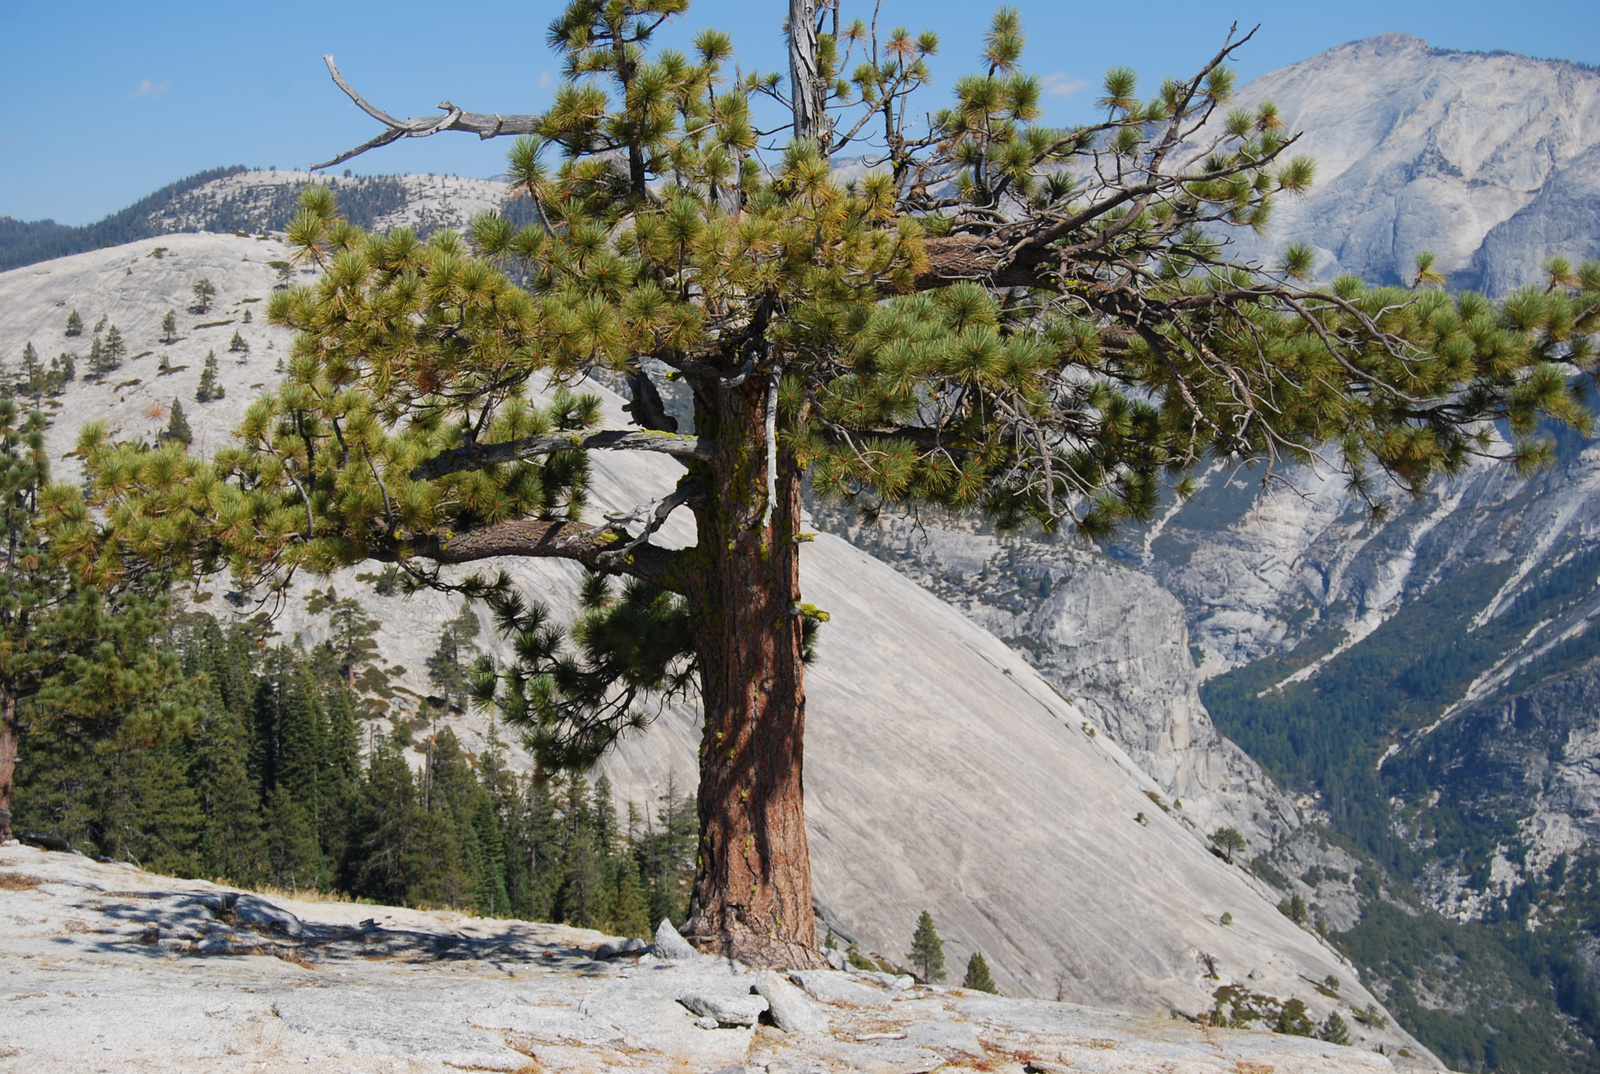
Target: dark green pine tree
(116,349)
(352,634)
(204,291)
(208,388)
(489,878)
(169,327)
(579,901)
(544,849)
(927,950)
(63,371)
(665,851)
(238,344)
(35,378)
(505,799)
(177,430)
(448,666)
(233,846)
(294,856)
(977,977)
(99,365)
(146,812)
(387,821)
(74,324)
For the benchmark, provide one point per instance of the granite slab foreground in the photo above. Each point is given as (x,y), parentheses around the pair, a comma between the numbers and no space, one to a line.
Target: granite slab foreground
(107,968)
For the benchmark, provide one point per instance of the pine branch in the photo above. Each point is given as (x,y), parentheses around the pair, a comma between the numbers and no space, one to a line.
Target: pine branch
(454,119)
(482,456)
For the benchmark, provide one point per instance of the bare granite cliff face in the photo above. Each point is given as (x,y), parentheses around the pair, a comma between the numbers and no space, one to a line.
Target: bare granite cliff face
(1486,159)
(1107,637)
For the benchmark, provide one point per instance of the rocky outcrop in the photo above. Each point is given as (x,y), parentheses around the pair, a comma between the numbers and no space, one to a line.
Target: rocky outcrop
(111,968)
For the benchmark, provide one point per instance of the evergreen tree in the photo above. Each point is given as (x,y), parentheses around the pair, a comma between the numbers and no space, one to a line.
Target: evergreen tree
(1229,841)
(63,370)
(177,430)
(977,977)
(99,360)
(146,811)
(927,950)
(294,857)
(997,319)
(204,292)
(387,823)
(35,379)
(232,844)
(115,349)
(1335,1030)
(209,389)
(74,324)
(238,344)
(247,319)
(169,328)
(580,899)
(447,667)
(77,664)
(352,633)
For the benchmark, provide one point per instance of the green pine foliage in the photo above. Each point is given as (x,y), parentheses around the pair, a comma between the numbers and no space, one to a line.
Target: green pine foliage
(977,977)
(74,324)
(169,327)
(209,388)
(927,950)
(204,291)
(177,430)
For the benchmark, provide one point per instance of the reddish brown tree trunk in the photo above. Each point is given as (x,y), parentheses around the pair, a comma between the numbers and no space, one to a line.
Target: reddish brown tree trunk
(752,891)
(9,739)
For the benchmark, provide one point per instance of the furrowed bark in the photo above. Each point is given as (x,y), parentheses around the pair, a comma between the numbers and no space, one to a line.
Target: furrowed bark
(596,547)
(752,893)
(9,738)
(481,456)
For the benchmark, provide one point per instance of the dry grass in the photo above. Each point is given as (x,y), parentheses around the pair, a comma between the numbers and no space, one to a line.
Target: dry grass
(19,881)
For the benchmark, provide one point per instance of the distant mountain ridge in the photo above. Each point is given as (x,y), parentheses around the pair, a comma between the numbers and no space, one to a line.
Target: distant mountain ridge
(1489,160)
(240,199)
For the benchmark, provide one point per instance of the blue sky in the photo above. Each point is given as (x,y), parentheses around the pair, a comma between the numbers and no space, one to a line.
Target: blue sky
(105,102)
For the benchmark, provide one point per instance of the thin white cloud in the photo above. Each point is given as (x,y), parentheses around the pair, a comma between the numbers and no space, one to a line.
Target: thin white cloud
(149,90)
(545,81)
(1063,85)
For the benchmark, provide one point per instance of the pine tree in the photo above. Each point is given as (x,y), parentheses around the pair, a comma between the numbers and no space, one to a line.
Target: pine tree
(294,857)
(147,812)
(115,348)
(927,950)
(447,667)
(1335,1030)
(169,327)
(209,389)
(238,344)
(63,370)
(79,665)
(994,320)
(387,823)
(74,324)
(177,430)
(1229,841)
(204,292)
(977,977)
(352,633)
(99,361)
(232,843)
(35,379)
